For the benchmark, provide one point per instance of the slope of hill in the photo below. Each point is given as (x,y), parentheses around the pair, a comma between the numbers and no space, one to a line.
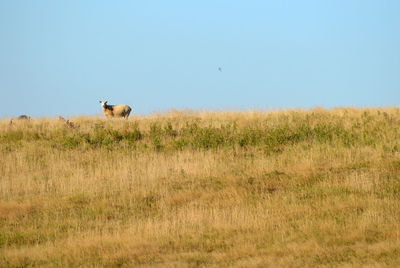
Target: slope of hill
(287,188)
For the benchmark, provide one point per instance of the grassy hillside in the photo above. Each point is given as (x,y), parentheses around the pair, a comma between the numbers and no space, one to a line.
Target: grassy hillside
(288,188)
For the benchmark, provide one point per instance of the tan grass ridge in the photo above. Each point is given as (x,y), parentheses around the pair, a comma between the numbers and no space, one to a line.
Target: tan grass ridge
(269,189)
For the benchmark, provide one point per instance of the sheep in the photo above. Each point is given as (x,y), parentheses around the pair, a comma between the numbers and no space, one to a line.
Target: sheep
(24,117)
(115,110)
(67,122)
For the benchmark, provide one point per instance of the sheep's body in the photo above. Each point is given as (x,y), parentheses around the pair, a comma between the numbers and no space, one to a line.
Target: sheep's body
(115,110)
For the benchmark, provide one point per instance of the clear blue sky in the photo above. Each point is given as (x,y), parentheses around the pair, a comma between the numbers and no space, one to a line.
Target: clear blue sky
(61,57)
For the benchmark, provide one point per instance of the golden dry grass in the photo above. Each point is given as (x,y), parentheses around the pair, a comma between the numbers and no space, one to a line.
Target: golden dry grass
(255,189)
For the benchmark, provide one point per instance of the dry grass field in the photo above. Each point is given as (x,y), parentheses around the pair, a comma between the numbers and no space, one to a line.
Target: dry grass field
(256,189)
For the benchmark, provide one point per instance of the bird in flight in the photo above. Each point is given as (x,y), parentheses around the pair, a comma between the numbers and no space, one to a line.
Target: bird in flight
(220,69)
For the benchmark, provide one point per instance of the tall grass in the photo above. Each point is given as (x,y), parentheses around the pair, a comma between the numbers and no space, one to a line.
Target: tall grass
(286,188)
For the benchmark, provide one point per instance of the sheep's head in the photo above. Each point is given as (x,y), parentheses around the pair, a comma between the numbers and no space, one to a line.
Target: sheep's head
(103,103)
